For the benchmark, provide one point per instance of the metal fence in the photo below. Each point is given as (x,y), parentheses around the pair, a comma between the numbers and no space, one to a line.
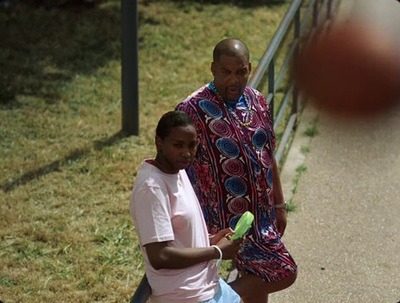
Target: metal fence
(303,18)
(272,74)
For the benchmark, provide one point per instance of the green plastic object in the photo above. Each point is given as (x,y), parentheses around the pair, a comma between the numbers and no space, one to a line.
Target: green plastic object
(243,225)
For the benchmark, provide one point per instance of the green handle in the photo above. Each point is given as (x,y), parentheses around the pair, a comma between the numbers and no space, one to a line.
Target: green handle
(243,225)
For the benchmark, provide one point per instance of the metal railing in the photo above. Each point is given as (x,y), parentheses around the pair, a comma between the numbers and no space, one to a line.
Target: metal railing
(304,17)
(303,27)
(143,291)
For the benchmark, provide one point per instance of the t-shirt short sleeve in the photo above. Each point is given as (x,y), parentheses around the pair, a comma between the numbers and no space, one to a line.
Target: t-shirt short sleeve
(151,212)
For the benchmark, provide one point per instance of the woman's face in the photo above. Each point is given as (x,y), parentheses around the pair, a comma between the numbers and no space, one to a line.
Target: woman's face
(177,150)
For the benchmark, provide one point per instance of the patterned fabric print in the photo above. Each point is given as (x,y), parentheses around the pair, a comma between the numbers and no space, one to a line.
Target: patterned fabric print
(232,173)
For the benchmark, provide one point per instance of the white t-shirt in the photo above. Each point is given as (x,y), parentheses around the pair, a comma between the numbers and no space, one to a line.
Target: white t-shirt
(164,207)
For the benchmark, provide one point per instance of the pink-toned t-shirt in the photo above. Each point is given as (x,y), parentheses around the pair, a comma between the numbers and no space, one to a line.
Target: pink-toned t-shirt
(164,207)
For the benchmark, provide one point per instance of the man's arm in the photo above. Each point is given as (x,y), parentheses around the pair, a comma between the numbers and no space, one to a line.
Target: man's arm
(278,198)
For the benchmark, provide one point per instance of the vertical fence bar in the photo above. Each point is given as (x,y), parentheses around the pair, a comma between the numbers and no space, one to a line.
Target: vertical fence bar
(271,86)
(297,30)
(329,11)
(315,14)
(130,67)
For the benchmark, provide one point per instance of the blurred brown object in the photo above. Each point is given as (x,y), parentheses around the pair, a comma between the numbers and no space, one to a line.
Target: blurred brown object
(351,71)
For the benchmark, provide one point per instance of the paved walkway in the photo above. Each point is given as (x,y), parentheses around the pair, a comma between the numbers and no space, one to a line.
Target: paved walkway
(345,234)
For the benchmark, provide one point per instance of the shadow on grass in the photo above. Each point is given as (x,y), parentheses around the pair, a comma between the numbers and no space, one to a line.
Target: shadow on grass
(40,49)
(56,165)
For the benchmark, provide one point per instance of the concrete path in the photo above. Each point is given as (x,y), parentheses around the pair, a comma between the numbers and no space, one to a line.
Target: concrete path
(345,234)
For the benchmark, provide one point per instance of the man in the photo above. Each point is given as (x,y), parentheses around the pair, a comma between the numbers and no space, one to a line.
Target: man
(235,170)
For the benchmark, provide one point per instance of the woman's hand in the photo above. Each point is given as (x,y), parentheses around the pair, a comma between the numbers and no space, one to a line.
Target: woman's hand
(229,248)
(225,233)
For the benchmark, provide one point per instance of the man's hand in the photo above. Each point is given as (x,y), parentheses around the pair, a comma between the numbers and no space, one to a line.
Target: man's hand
(281,221)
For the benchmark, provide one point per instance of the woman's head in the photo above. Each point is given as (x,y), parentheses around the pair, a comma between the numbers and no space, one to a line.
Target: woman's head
(175,141)
(170,120)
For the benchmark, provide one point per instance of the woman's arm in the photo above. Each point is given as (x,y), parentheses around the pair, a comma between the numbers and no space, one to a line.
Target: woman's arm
(162,256)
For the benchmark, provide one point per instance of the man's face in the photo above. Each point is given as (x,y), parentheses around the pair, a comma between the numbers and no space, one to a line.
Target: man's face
(230,76)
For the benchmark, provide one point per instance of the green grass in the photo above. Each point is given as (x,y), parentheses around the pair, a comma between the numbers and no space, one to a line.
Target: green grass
(67,172)
(291,207)
(305,150)
(312,129)
(299,171)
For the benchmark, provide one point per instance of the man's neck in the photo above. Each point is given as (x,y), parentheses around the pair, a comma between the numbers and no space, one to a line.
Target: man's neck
(230,103)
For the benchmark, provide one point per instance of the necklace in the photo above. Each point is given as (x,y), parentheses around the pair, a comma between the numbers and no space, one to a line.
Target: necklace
(233,113)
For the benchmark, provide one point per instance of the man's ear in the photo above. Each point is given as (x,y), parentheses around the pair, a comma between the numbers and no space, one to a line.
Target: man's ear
(213,68)
(249,67)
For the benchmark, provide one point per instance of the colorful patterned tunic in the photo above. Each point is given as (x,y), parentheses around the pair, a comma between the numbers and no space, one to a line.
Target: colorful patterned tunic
(232,173)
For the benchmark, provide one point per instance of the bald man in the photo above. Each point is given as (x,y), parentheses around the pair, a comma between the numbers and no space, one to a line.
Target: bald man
(235,171)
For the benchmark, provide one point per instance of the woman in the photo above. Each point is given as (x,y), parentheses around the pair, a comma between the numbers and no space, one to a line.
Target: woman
(170,225)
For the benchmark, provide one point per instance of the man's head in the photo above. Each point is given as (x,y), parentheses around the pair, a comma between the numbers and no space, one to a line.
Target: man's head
(230,68)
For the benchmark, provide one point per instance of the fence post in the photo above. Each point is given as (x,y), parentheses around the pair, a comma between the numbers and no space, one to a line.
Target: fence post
(130,67)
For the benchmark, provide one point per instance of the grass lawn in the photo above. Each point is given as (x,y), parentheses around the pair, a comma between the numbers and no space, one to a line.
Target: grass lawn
(66,171)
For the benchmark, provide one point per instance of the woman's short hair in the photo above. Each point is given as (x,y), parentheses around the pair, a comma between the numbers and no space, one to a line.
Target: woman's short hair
(172,119)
